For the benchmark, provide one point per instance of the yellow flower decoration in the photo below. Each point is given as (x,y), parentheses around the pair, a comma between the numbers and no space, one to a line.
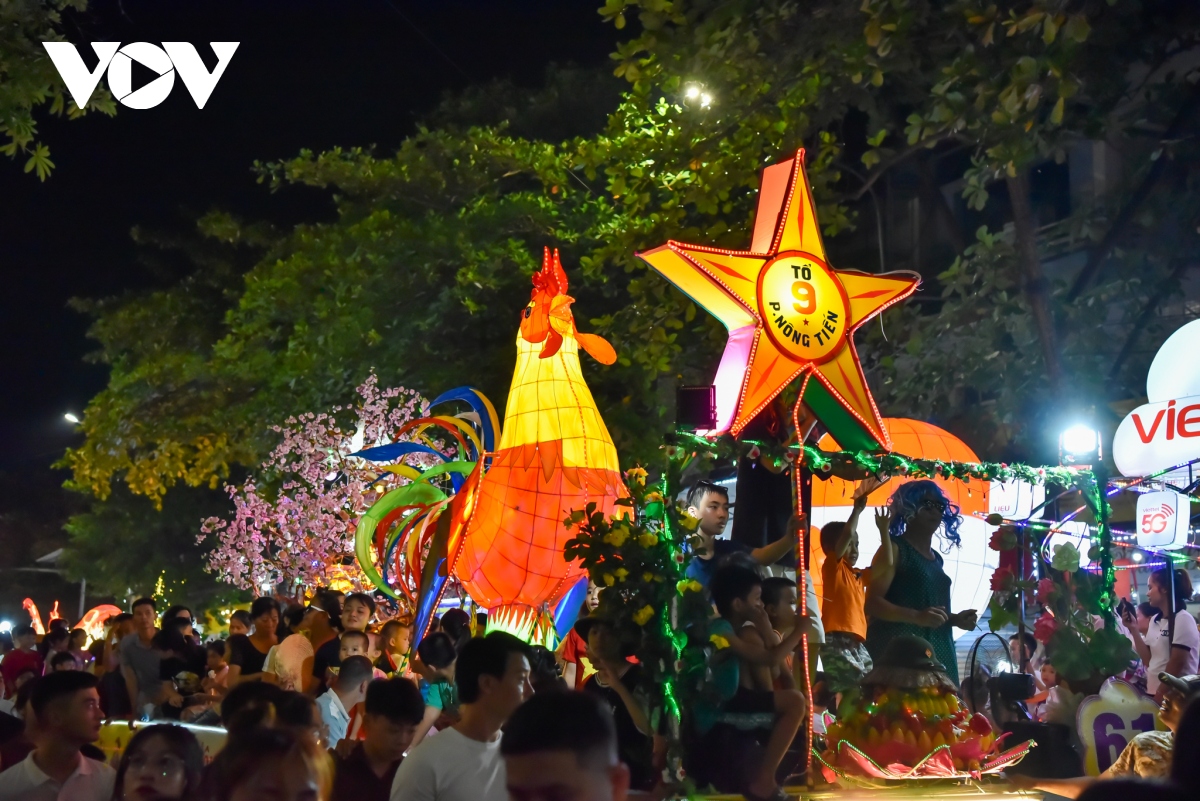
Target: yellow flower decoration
(637,475)
(622,573)
(688,522)
(617,535)
(647,540)
(643,615)
(719,641)
(689,585)
(647,577)
(609,580)
(653,497)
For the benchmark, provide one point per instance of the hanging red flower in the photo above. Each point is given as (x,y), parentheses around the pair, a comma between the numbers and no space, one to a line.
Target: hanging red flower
(1044,589)
(1044,627)
(1003,539)
(1003,579)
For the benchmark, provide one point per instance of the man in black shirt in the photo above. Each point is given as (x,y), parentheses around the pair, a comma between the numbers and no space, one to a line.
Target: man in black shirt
(322,621)
(616,683)
(364,770)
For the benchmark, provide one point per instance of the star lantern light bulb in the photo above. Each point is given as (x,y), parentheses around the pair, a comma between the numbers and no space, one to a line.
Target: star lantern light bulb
(789,314)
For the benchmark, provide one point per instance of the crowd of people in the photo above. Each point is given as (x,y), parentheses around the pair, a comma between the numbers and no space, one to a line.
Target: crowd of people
(326,700)
(333,720)
(561,747)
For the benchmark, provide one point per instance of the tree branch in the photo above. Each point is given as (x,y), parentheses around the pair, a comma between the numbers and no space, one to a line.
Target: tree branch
(1035,284)
(924,144)
(1099,254)
(1164,289)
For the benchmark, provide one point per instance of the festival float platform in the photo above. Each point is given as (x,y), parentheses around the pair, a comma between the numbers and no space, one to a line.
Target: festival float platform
(941,789)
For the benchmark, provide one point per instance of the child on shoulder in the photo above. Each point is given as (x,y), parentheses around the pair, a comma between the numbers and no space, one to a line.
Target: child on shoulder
(395,643)
(746,641)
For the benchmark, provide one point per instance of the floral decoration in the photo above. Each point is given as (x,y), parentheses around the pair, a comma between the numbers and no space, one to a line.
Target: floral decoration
(293,521)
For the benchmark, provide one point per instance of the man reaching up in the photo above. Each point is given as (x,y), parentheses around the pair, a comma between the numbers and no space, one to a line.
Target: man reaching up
(709,503)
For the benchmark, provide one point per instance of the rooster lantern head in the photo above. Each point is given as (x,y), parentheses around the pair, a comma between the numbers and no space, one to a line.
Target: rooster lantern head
(548,316)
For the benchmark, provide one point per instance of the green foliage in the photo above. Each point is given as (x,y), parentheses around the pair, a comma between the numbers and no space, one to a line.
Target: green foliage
(28,79)
(426,265)
(1110,652)
(637,557)
(1069,651)
(124,546)
(165,416)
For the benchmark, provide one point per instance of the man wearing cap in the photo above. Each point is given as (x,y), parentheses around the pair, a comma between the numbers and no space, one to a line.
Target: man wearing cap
(1148,755)
(615,683)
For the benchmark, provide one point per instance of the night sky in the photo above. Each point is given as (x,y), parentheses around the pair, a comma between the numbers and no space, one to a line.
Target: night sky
(307,74)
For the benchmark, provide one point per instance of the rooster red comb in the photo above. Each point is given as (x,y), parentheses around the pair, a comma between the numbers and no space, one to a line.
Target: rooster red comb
(551,278)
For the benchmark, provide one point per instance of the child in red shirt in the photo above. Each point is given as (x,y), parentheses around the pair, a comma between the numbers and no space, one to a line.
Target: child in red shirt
(24,658)
(573,651)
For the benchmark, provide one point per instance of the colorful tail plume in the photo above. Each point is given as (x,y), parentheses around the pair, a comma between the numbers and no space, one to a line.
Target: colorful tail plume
(403,540)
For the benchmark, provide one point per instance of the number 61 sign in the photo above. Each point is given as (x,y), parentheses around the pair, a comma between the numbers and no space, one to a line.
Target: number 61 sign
(1108,721)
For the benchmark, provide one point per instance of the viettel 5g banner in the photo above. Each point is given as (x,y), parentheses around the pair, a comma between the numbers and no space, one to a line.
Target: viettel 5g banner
(1166,431)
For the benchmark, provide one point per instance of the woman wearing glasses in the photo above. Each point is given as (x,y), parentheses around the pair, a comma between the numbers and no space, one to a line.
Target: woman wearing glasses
(909,592)
(160,762)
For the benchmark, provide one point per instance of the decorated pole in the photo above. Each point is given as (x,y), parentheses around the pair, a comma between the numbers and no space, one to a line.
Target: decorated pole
(790,317)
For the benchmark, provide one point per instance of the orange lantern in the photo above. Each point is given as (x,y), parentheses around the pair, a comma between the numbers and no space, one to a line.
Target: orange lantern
(555,455)
(969,566)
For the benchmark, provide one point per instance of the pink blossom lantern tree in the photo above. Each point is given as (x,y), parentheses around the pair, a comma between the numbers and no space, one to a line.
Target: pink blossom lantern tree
(293,521)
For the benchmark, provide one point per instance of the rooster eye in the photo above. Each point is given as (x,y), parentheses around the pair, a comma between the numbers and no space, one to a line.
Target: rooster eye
(528,311)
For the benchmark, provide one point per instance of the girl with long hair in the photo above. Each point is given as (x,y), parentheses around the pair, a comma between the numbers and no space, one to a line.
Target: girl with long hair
(1171,642)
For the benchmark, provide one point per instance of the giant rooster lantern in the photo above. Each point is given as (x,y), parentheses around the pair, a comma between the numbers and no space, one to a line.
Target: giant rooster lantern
(555,455)
(499,527)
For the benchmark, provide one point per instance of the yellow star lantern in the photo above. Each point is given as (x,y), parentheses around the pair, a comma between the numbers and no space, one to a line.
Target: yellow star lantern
(789,314)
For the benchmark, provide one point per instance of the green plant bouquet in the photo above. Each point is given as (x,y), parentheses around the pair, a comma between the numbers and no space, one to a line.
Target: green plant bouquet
(639,557)
(1082,640)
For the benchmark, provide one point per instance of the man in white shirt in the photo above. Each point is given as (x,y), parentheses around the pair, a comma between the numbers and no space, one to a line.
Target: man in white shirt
(563,745)
(348,690)
(463,763)
(67,708)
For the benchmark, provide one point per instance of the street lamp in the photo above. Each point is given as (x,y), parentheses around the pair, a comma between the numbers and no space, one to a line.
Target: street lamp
(71,418)
(1079,445)
(696,94)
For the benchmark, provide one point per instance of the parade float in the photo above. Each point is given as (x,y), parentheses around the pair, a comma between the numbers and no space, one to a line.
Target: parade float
(517,514)
(907,721)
